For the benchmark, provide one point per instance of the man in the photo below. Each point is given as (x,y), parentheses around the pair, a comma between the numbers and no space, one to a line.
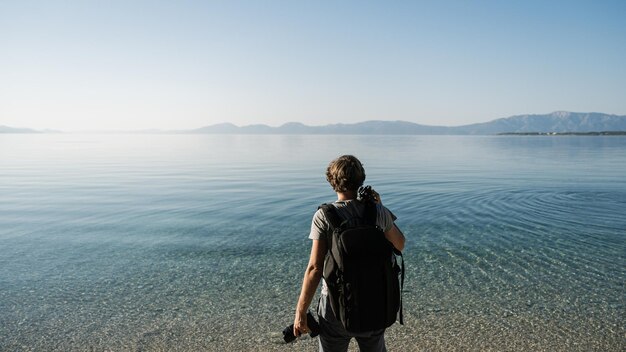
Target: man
(345,175)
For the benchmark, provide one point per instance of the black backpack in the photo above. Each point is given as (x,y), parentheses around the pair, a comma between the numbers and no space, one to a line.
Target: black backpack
(361,271)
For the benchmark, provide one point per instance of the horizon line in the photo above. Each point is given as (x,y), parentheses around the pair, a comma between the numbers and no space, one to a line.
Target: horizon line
(182,130)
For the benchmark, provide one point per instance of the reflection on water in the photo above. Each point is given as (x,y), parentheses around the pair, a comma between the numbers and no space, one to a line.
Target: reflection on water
(191,242)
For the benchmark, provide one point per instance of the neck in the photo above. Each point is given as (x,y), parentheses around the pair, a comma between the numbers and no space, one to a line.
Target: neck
(343,196)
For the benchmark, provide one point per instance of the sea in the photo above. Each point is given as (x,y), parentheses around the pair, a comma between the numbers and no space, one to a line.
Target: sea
(197,242)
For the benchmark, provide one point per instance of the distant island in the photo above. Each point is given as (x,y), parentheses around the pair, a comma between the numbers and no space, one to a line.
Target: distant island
(556,123)
(7,129)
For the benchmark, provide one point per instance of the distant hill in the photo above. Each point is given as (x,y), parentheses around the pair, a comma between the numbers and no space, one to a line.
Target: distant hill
(368,127)
(7,129)
(559,122)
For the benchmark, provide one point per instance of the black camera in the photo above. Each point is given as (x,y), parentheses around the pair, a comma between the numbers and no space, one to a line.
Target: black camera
(365,194)
(288,335)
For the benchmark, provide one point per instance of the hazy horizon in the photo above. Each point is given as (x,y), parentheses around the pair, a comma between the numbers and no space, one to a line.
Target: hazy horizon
(357,126)
(172,66)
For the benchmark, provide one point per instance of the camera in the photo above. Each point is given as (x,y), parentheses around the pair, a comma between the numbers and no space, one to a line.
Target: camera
(288,335)
(365,194)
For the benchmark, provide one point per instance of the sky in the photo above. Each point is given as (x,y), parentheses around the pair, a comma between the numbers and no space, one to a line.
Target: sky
(84,65)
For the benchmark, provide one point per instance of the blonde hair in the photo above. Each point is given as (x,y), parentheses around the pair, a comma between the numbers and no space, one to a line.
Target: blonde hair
(345,174)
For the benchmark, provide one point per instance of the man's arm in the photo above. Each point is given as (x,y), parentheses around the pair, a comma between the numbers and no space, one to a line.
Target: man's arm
(312,277)
(396,237)
(393,235)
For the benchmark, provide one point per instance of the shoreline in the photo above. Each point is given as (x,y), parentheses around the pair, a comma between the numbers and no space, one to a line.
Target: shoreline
(601,133)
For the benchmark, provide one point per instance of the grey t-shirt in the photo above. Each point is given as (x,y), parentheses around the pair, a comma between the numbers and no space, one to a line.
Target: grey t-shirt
(348,209)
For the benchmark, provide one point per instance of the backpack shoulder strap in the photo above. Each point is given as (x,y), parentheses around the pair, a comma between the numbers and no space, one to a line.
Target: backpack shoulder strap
(335,223)
(371,213)
(400,313)
(331,214)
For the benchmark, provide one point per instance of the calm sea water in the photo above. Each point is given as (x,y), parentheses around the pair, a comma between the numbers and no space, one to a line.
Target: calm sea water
(199,242)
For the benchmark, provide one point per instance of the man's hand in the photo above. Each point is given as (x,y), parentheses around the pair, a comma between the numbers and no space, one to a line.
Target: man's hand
(300,325)
(376,197)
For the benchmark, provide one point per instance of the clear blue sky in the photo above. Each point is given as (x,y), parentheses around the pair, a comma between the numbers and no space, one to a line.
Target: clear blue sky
(75,65)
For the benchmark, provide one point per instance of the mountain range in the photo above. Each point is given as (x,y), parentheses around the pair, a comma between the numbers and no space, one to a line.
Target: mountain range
(556,122)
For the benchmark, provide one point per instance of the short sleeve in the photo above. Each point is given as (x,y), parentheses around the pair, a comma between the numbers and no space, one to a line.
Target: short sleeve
(385,217)
(319,225)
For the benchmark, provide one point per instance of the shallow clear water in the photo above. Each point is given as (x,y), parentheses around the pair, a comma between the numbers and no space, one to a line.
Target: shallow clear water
(191,242)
